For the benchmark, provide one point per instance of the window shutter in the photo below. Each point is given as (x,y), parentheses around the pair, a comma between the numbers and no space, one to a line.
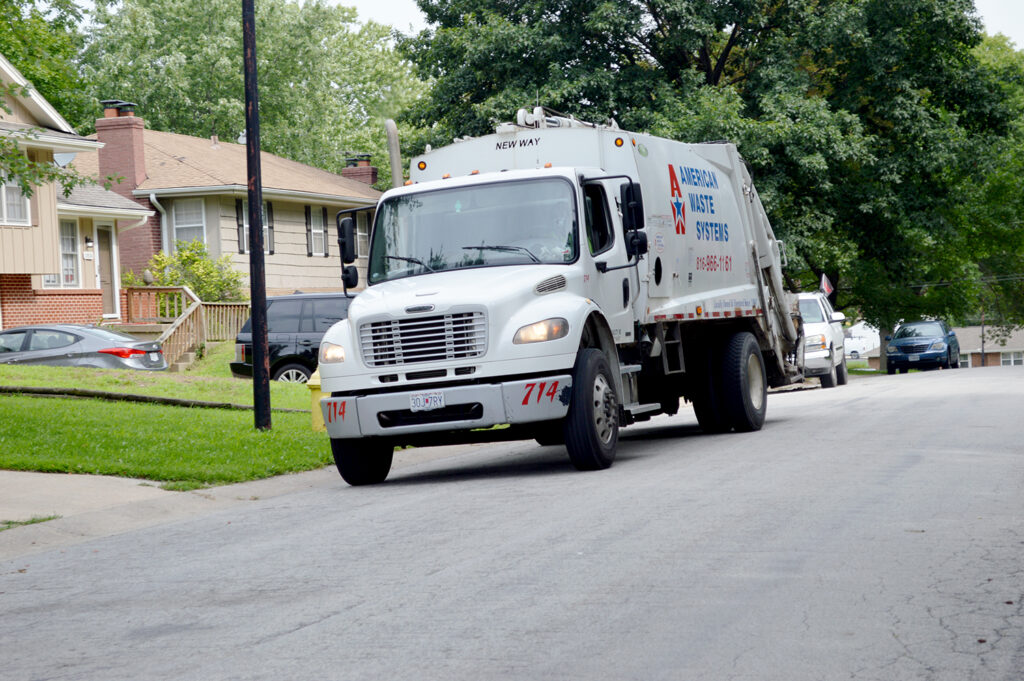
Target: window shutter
(309,232)
(33,207)
(240,218)
(327,249)
(270,228)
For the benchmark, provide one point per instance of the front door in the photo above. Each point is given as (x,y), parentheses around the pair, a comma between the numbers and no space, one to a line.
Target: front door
(105,265)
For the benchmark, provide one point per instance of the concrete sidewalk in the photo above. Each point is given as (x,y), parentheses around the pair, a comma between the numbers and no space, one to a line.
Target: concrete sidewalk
(93,506)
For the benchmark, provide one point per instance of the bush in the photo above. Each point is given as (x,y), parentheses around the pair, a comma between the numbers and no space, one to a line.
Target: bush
(190,265)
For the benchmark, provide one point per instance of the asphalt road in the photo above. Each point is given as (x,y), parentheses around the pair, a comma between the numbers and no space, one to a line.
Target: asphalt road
(869,532)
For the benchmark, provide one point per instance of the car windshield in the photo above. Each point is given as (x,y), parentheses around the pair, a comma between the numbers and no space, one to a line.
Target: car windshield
(506,223)
(924,330)
(811,311)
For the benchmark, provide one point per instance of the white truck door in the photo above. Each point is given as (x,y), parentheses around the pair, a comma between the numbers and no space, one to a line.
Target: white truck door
(615,289)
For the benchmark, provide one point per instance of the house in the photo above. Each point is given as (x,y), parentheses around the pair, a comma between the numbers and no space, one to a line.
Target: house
(991,348)
(198,188)
(58,254)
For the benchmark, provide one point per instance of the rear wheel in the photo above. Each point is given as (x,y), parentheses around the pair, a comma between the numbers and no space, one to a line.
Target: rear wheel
(956,362)
(829,380)
(744,383)
(707,396)
(592,425)
(293,373)
(363,462)
(890,369)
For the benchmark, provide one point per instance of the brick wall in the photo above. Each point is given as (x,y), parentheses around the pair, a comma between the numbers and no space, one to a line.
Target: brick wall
(20,304)
(137,245)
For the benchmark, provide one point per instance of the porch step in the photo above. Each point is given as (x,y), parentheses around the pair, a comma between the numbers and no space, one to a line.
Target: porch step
(183,363)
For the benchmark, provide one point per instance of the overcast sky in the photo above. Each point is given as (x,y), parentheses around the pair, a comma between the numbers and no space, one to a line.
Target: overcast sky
(999,16)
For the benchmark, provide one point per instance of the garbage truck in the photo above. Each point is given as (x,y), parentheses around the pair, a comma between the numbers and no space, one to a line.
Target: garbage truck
(557,280)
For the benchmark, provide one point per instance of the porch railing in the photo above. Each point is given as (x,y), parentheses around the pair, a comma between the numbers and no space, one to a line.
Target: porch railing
(193,322)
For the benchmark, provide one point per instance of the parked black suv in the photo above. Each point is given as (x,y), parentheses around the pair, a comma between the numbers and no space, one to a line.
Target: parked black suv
(295,325)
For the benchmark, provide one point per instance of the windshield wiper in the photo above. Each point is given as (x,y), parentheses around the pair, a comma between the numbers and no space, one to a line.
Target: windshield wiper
(520,249)
(414,261)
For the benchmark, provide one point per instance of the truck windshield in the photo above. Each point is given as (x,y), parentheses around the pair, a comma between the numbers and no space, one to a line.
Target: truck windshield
(504,223)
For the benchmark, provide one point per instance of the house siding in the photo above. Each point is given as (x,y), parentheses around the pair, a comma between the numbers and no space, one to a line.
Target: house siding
(289,269)
(33,249)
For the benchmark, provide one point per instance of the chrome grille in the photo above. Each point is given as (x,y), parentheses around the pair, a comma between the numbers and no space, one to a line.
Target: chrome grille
(409,340)
(915,348)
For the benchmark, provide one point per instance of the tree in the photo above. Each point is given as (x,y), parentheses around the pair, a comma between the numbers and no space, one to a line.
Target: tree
(326,84)
(866,122)
(190,265)
(39,39)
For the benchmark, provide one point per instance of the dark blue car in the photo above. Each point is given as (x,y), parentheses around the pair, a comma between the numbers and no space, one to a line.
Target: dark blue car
(922,345)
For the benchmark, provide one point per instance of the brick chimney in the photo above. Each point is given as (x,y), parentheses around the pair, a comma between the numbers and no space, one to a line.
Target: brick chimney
(123,153)
(358,168)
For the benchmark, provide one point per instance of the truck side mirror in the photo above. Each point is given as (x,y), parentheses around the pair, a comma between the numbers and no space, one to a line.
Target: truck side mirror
(632,203)
(347,239)
(349,276)
(636,244)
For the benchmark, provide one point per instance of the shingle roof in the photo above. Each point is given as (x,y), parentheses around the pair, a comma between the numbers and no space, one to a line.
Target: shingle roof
(176,161)
(95,196)
(970,339)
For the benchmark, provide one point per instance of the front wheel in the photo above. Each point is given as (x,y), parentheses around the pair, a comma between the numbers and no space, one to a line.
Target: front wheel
(830,379)
(744,383)
(363,462)
(592,425)
(843,373)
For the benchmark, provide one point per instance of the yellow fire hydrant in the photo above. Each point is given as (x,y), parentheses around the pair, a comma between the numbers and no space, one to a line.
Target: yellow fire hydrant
(314,402)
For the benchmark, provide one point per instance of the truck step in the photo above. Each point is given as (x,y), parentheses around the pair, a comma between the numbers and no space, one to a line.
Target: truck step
(629,368)
(637,408)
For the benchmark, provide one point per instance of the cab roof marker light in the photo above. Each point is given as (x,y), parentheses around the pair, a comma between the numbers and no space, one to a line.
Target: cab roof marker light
(446,176)
(408,183)
(548,164)
(474,172)
(619,141)
(422,165)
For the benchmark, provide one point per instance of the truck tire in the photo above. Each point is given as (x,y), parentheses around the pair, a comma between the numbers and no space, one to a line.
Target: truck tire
(744,383)
(363,462)
(842,373)
(830,379)
(592,425)
(707,397)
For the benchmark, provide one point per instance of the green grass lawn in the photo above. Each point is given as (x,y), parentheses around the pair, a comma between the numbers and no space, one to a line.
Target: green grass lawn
(183,448)
(208,380)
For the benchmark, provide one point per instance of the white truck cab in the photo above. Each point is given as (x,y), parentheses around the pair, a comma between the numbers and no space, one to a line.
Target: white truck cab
(563,278)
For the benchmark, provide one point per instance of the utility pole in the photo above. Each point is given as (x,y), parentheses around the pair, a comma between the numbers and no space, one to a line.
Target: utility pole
(257,274)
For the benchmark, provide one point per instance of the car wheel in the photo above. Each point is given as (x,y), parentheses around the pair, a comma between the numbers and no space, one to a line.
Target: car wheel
(293,373)
(956,362)
(903,371)
(890,369)
(363,462)
(829,379)
(854,354)
(842,373)
(592,424)
(744,383)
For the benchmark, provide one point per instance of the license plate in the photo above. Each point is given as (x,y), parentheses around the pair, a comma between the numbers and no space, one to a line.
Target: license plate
(154,357)
(913,358)
(426,401)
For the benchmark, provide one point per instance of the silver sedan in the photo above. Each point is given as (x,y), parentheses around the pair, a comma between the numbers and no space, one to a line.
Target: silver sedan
(79,345)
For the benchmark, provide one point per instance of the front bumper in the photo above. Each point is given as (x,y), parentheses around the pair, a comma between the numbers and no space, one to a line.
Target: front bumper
(817,363)
(464,408)
(930,358)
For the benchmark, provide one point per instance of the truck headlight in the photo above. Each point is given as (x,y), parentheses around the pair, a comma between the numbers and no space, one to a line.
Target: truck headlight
(331,353)
(549,329)
(816,342)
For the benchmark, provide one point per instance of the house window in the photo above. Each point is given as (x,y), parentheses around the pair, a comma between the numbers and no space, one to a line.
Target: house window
(363,232)
(1011,359)
(14,205)
(965,360)
(68,277)
(268,227)
(189,222)
(317,230)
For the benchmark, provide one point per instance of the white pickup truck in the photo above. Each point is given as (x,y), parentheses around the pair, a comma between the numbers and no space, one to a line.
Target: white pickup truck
(564,278)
